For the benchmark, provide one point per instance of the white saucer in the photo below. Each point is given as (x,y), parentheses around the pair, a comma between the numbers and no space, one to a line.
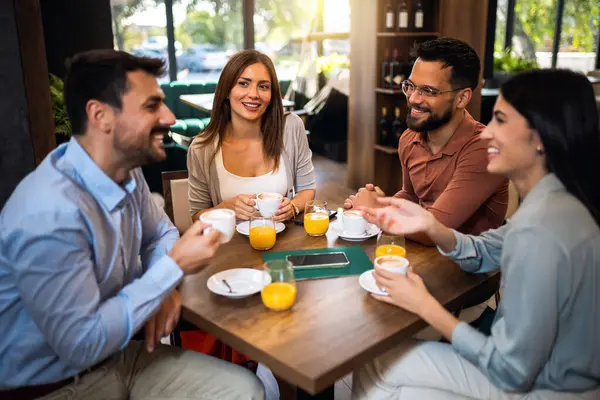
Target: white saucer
(337,227)
(243,281)
(367,282)
(244,227)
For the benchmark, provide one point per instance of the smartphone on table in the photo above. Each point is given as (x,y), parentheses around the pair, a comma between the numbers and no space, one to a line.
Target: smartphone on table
(318,260)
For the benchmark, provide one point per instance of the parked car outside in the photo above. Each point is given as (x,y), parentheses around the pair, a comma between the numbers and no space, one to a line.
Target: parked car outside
(144,52)
(202,57)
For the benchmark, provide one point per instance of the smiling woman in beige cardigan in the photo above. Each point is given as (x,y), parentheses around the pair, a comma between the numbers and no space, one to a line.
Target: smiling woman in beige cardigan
(250,146)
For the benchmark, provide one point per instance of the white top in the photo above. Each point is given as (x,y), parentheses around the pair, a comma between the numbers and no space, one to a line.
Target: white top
(232,185)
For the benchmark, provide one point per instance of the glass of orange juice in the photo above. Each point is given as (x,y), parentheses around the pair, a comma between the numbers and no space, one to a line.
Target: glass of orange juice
(280,293)
(316,217)
(390,245)
(262,233)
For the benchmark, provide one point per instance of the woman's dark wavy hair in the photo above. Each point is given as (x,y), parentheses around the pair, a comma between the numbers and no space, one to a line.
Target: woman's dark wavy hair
(560,105)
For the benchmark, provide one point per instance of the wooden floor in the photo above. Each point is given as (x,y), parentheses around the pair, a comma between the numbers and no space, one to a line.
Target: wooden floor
(331,179)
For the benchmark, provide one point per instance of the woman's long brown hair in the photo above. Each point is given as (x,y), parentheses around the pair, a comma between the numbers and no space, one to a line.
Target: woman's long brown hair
(272,119)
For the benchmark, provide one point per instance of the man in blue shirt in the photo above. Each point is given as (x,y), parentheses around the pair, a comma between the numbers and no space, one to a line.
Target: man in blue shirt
(87,259)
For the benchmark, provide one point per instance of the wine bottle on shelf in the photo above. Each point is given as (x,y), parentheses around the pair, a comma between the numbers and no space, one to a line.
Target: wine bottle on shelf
(386,79)
(419,14)
(402,15)
(389,18)
(396,72)
(398,128)
(407,65)
(384,128)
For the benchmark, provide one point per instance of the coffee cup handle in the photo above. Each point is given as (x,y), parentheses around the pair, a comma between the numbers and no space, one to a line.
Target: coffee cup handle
(256,201)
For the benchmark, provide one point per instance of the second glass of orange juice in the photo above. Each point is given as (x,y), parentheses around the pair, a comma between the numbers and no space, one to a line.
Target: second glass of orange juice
(390,245)
(280,293)
(316,217)
(262,233)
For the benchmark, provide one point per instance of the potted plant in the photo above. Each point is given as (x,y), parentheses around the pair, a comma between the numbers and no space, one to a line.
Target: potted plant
(507,64)
(62,125)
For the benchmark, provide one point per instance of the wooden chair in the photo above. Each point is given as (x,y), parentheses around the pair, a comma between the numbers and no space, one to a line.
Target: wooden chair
(175,192)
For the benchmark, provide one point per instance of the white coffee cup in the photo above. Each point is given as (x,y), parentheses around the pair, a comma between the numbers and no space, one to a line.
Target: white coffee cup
(267,203)
(353,222)
(222,220)
(394,264)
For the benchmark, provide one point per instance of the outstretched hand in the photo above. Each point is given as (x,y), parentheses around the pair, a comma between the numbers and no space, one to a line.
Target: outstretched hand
(399,216)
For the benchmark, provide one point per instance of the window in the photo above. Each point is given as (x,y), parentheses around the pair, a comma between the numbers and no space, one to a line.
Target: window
(139,28)
(501,16)
(533,33)
(579,35)
(279,29)
(210,31)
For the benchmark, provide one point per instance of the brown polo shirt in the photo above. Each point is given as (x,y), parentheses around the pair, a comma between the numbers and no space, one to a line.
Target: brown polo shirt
(454,184)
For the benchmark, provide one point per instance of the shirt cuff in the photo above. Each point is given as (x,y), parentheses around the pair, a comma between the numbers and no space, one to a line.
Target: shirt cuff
(456,251)
(468,342)
(464,249)
(165,273)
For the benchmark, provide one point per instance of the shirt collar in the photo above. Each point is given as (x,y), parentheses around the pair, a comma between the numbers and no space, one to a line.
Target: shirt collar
(80,166)
(465,130)
(549,183)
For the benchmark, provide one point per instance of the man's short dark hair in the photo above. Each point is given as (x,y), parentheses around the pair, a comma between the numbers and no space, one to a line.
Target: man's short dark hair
(456,54)
(101,75)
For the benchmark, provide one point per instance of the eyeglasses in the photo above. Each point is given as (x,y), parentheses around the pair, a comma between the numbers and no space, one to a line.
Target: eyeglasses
(408,89)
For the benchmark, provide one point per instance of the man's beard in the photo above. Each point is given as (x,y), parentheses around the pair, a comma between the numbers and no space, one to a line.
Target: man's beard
(138,155)
(430,124)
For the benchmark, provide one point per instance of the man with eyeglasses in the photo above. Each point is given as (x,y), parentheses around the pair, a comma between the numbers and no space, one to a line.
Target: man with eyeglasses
(443,158)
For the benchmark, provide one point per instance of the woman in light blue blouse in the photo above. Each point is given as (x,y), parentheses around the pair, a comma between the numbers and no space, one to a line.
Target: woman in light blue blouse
(545,338)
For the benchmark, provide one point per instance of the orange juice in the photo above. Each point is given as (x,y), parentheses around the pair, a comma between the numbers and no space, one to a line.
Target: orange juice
(279,296)
(262,237)
(390,250)
(316,224)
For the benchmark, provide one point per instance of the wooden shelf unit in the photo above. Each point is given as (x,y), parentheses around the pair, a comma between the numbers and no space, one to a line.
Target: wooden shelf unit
(387,170)
(386,149)
(460,19)
(408,34)
(393,92)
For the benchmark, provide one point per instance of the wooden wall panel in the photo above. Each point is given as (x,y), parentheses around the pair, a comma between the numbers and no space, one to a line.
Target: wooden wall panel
(72,26)
(27,133)
(466,20)
(35,77)
(362,116)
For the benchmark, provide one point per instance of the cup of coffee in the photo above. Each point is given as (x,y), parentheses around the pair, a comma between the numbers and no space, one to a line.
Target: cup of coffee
(222,220)
(394,264)
(267,203)
(353,222)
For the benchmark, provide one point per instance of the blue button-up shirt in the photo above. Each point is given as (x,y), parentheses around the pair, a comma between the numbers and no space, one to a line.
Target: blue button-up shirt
(72,288)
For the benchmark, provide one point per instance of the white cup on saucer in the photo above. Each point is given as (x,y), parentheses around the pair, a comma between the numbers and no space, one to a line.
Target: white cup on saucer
(394,264)
(354,223)
(267,203)
(221,219)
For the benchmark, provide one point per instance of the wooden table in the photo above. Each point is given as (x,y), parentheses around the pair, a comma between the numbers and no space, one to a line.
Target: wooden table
(204,102)
(335,325)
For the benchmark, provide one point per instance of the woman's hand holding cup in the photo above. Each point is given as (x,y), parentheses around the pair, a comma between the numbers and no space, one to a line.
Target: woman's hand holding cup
(244,206)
